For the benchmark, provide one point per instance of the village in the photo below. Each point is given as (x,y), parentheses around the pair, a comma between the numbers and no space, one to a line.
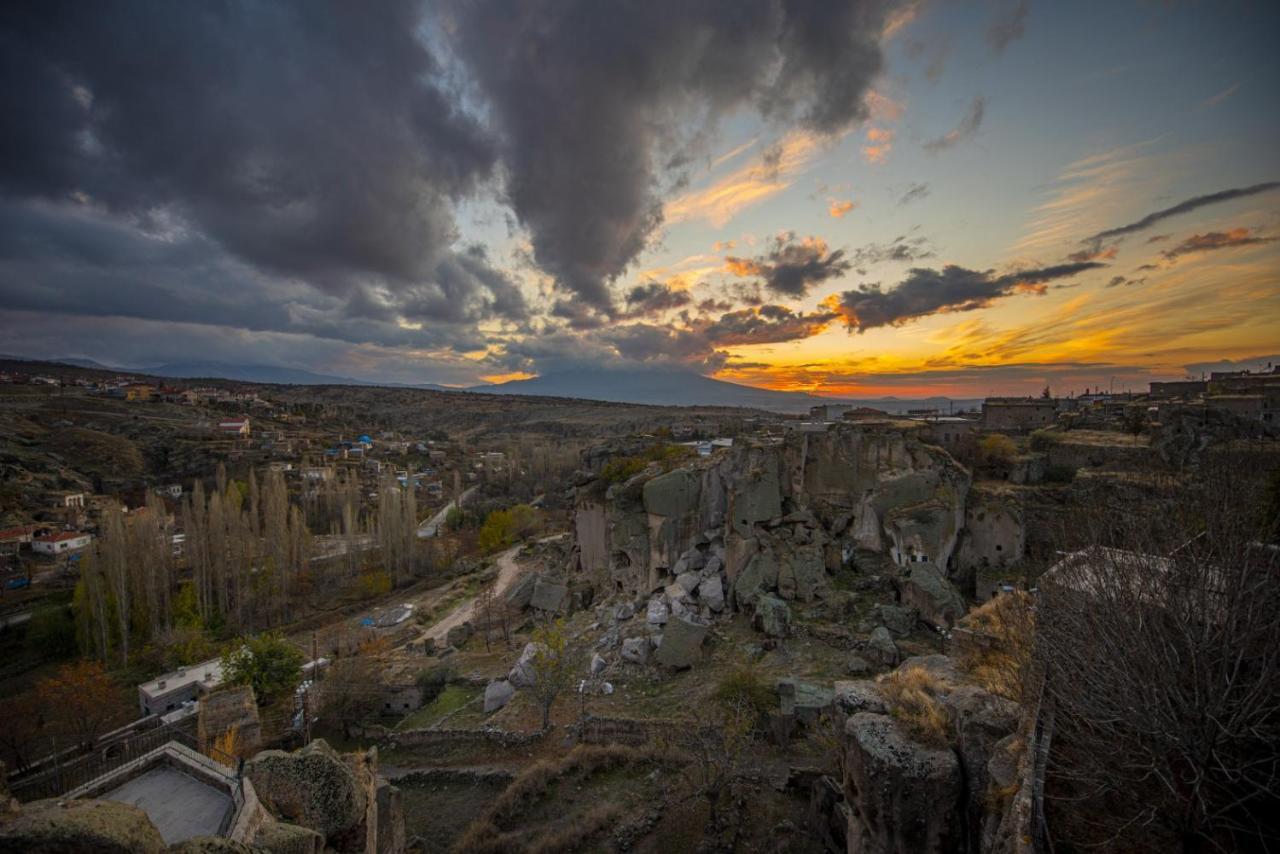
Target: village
(457,602)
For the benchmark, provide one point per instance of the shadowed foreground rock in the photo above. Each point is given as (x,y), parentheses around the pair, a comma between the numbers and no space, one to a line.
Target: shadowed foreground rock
(312,787)
(904,795)
(92,826)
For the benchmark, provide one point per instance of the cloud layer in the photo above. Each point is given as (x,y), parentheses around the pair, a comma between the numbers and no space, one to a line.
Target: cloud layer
(927,291)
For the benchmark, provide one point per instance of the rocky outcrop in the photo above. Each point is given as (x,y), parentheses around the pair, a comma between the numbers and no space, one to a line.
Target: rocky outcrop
(81,827)
(771,519)
(933,597)
(904,796)
(994,539)
(949,794)
(313,788)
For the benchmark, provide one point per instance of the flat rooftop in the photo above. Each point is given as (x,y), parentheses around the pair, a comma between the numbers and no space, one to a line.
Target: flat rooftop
(181,807)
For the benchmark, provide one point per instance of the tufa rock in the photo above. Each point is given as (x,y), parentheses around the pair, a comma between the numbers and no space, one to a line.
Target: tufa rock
(932,595)
(903,796)
(772,616)
(881,649)
(497,694)
(458,636)
(281,837)
(635,650)
(681,643)
(312,787)
(711,592)
(898,619)
(548,596)
(81,827)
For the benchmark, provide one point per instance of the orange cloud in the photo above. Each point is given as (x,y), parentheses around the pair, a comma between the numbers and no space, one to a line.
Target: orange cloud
(749,185)
(879,144)
(839,208)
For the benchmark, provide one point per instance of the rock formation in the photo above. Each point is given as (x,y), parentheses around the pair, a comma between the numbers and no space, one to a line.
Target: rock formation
(906,795)
(773,520)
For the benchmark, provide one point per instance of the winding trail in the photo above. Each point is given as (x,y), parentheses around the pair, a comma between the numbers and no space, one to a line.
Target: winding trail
(509,569)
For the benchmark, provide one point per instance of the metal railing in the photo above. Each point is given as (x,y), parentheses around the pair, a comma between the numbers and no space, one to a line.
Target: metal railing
(62,777)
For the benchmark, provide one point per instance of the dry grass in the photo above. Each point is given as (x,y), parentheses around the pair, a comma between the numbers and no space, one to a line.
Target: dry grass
(576,829)
(912,695)
(485,834)
(1000,658)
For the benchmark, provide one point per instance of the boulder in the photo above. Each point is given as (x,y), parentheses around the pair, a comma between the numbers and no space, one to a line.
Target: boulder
(520,593)
(497,694)
(802,573)
(311,787)
(522,675)
(688,581)
(281,837)
(598,664)
(757,578)
(932,595)
(904,797)
(711,592)
(859,696)
(548,596)
(458,636)
(657,612)
(712,568)
(624,612)
(804,701)
(681,643)
(880,648)
(772,616)
(898,619)
(635,650)
(81,827)
(858,666)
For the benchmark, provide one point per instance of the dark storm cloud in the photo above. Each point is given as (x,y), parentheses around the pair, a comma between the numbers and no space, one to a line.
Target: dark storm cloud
(927,291)
(654,298)
(792,267)
(1009,24)
(70,259)
(968,126)
(267,125)
(589,100)
(1181,208)
(768,324)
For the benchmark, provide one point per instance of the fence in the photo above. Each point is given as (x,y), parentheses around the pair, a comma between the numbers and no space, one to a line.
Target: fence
(74,773)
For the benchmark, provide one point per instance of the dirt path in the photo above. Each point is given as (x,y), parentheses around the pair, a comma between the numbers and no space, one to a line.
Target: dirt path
(509,570)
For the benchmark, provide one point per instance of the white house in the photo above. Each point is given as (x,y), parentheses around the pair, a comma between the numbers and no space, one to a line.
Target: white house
(168,692)
(61,542)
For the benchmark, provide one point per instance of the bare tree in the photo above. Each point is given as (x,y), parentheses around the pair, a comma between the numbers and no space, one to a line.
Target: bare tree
(713,745)
(1160,640)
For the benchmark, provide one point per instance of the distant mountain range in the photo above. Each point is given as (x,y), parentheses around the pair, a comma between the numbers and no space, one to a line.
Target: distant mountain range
(675,388)
(637,385)
(266,374)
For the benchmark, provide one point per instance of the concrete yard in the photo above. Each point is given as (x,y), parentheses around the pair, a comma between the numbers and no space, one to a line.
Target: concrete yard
(180,806)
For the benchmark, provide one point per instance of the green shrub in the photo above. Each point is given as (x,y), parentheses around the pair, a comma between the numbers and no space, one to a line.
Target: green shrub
(745,685)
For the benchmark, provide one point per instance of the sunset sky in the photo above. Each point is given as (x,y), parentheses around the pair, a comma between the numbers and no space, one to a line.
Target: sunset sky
(847,198)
